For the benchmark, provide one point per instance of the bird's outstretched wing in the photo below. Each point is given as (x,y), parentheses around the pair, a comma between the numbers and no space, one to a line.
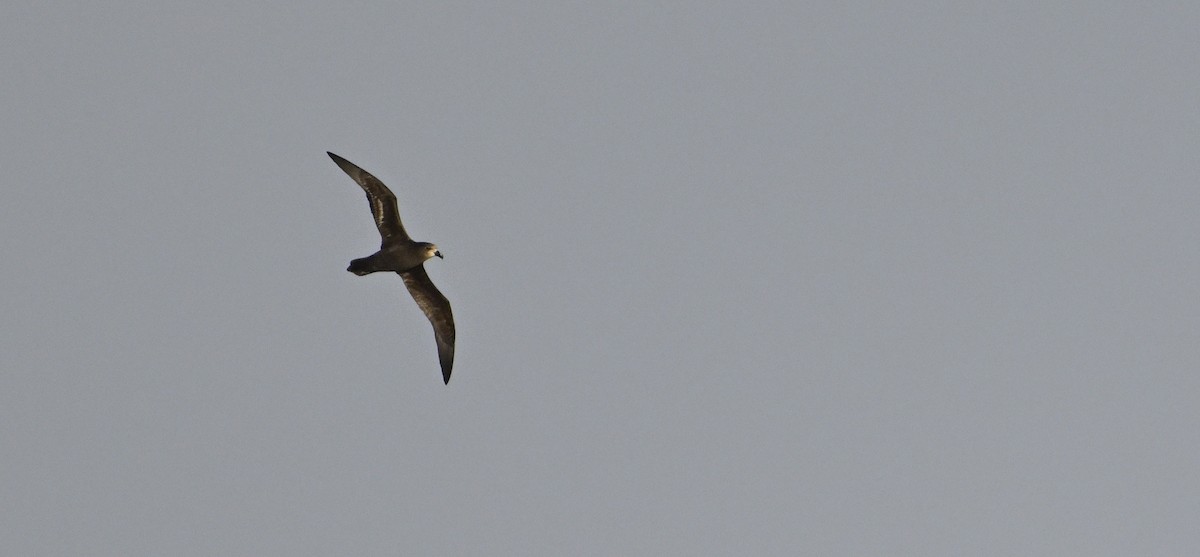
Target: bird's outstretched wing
(382,200)
(437,309)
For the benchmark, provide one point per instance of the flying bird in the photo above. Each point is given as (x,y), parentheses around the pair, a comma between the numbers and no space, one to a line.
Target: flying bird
(398,253)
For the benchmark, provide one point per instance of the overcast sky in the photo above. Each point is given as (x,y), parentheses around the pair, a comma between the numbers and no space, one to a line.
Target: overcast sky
(776,278)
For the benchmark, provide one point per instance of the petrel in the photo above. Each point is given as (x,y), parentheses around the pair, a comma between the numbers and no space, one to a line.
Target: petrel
(398,253)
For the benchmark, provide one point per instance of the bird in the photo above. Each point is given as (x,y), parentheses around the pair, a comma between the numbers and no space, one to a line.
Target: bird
(398,253)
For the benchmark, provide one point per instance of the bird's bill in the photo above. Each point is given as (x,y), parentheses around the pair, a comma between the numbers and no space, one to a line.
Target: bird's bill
(439,254)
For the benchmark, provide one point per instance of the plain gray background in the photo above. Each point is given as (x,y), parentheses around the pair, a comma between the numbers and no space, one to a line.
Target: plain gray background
(852,278)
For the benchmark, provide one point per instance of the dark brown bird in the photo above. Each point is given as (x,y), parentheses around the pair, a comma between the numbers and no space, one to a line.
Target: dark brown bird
(398,253)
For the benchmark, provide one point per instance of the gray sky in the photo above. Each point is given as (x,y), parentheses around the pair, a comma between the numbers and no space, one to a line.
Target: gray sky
(845,279)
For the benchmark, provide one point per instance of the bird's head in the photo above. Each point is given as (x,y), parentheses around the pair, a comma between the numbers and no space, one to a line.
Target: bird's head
(431,250)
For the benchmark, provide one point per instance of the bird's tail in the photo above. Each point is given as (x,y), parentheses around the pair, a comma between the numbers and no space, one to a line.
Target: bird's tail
(362,266)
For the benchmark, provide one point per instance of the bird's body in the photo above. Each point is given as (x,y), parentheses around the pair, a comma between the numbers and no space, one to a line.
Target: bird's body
(398,253)
(395,258)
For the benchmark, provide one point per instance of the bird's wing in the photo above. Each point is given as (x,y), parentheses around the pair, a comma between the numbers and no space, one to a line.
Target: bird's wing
(437,309)
(383,201)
